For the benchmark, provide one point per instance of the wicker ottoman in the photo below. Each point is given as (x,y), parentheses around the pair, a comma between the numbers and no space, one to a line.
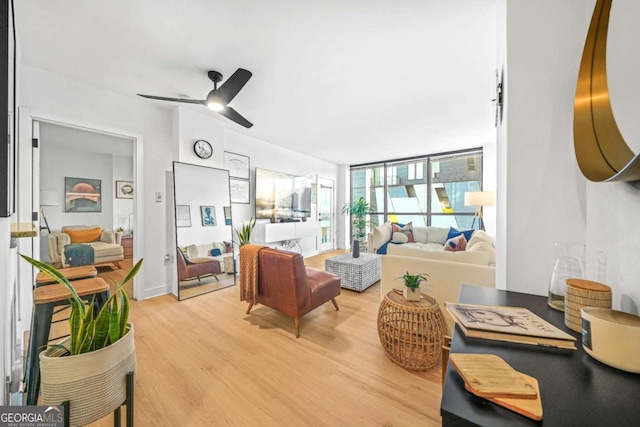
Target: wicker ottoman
(411,333)
(356,274)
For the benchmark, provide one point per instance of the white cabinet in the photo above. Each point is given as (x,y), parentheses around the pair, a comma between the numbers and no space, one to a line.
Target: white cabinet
(272,233)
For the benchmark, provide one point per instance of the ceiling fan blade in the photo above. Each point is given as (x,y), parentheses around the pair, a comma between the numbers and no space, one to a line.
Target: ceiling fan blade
(162,98)
(233,85)
(233,115)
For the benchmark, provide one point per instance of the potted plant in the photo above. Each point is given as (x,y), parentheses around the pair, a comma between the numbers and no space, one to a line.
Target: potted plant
(358,211)
(411,291)
(89,368)
(244,235)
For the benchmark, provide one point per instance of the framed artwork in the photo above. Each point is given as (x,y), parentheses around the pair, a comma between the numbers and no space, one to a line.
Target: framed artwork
(208,216)
(227,215)
(237,165)
(239,190)
(183,216)
(124,190)
(82,195)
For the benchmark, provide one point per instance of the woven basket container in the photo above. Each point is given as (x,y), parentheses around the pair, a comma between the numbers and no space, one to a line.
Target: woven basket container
(583,293)
(94,383)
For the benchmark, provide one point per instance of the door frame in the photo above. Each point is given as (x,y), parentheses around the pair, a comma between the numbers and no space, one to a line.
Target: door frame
(332,213)
(138,173)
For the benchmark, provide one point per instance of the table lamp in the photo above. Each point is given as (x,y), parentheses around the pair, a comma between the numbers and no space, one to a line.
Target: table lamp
(479,199)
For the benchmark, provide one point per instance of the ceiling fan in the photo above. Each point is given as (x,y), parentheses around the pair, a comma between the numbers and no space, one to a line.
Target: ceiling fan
(218,98)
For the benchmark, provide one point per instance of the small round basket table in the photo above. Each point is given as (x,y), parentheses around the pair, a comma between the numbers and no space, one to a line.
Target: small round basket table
(411,332)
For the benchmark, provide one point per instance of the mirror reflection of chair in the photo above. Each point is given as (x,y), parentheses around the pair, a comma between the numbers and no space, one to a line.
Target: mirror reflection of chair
(196,267)
(285,284)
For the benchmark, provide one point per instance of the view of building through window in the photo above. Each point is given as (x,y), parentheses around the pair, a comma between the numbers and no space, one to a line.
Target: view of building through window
(425,190)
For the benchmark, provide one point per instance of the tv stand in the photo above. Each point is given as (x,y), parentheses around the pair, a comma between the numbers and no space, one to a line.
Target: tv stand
(278,232)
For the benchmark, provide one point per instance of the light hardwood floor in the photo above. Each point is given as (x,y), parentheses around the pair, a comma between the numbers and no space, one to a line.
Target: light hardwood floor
(204,362)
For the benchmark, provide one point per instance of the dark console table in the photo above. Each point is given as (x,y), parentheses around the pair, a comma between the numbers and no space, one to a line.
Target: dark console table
(576,390)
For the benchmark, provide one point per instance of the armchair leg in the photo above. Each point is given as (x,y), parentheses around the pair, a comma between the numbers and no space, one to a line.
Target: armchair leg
(249,308)
(297,327)
(335,304)
(216,277)
(117,264)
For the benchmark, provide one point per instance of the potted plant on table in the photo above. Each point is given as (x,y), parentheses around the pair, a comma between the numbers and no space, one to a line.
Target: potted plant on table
(89,368)
(411,291)
(358,211)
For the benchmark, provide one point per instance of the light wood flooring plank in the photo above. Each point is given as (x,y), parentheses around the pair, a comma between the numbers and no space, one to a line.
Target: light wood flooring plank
(204,362)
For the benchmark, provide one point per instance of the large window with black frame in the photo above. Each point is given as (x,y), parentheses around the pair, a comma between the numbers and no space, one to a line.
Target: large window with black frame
(425,190)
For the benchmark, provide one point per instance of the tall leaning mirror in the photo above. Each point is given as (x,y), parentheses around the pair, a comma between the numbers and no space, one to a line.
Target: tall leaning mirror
(204,237)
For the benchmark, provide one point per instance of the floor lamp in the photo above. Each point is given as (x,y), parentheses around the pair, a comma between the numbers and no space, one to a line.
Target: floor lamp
(479,199)
(47,198)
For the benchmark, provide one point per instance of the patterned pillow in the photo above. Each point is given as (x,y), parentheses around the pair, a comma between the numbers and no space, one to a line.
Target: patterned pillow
(454,233)
(455,244)
(406,229)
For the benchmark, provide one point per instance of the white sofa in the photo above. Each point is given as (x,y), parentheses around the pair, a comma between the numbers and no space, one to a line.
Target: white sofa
(204,251)
(447,270)
(107,245)
(426,238)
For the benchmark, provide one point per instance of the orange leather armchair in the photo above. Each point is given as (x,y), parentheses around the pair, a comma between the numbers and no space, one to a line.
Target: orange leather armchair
(196,267)
(286,285)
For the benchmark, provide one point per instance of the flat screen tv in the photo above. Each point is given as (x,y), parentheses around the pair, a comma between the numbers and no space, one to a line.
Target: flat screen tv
(282,195)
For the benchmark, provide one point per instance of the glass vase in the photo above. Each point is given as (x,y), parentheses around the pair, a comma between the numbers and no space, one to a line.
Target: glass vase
(569,265)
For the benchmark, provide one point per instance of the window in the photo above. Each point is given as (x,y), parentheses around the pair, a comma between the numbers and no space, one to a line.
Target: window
(426,190)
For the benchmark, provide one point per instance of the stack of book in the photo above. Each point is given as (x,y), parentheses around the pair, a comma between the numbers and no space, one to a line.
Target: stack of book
(511,324)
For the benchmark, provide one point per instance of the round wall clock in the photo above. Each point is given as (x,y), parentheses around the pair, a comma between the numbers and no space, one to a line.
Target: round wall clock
(203,149)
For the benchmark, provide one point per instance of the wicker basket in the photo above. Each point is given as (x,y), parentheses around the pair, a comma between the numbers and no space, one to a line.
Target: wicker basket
(583,293)
(411,333)
(94,383)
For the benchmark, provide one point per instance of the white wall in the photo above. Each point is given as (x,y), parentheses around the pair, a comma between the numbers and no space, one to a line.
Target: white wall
(545,191)
(547,198)
(59,163)
(612,208)
(53,94)
(122,171)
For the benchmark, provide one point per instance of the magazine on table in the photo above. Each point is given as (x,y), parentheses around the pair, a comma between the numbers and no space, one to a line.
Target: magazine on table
(512,324)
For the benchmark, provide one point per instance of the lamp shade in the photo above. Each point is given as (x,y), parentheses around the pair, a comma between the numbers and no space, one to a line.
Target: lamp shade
(479,198)
(49,198)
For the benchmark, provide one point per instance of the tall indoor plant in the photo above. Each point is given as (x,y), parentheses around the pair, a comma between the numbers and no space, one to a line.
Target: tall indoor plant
(358,211)
(88,369)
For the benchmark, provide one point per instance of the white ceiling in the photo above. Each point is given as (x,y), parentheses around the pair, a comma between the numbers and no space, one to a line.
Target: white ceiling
(349,81)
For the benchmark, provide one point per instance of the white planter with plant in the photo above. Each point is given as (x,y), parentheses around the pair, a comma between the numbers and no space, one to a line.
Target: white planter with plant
(411,291)
(89,368)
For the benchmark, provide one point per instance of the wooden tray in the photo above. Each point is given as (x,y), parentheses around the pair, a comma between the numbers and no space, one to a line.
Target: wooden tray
(489,376)
(530,408)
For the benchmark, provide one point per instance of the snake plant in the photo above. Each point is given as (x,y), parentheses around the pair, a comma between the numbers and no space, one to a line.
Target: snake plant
(244,235)
(89,332)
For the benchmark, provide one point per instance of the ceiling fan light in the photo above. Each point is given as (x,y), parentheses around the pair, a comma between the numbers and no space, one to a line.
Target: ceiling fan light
(215,106)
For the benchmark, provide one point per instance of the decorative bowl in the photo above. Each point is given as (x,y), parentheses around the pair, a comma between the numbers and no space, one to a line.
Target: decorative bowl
(612,337)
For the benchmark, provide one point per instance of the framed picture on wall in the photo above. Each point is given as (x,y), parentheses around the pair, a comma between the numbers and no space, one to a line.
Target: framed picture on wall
(82,195)
(227,215)
(183,216)
(237,165)
(124,190)
(239,190)
(208,216)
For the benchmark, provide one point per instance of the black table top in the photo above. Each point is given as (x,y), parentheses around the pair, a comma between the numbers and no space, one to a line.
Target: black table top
(576,390)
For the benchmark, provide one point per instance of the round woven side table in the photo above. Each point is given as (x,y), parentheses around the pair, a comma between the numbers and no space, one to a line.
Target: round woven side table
(411,333)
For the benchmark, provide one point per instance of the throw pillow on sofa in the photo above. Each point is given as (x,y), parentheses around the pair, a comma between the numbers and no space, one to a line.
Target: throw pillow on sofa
(406,229)
(455,244)
(454,233)
(399,238)
(84,235)
(215,252)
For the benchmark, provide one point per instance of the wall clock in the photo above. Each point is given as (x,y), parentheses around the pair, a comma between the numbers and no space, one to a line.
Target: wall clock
(203,149)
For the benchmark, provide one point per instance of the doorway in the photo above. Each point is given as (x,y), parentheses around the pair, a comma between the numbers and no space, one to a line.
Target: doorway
(326,214)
